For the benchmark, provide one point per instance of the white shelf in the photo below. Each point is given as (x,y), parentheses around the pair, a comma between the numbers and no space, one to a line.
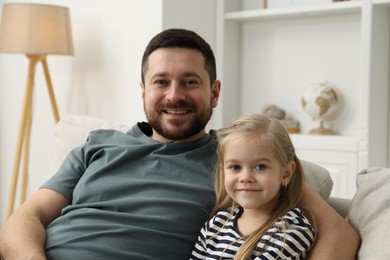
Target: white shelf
(381,2)
(325,142)
(296,11)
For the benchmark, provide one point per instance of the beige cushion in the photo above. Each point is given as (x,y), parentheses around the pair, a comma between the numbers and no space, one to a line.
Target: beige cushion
(72,131)
(369,213)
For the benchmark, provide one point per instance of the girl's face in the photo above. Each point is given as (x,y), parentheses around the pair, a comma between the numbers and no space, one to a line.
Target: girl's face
(253,175)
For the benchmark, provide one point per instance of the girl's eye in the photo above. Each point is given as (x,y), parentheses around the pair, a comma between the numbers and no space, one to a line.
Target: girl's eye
(234,167)
(261,167)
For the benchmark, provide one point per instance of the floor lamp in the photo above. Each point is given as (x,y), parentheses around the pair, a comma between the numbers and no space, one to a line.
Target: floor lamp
(35,30)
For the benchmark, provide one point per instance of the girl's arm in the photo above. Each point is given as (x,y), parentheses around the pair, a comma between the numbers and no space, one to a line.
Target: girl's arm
(200,252)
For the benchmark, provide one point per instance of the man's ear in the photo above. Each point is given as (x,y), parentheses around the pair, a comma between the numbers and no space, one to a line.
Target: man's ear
(215,92)
(142,89)
(288,173)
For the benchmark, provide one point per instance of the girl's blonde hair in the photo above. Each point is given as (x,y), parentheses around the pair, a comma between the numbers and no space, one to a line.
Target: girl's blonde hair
(275,136)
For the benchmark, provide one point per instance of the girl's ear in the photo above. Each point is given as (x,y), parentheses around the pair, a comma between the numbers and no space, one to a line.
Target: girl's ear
(288,173)
(221,169)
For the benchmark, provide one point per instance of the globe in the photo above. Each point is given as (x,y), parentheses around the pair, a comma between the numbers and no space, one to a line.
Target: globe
(322,102)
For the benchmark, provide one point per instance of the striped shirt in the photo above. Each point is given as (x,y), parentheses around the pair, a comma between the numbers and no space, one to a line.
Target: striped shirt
(289,238)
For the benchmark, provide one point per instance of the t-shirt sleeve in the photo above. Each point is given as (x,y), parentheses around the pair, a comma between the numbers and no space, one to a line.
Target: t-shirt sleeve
(200,251)
(68,175)
(77,161)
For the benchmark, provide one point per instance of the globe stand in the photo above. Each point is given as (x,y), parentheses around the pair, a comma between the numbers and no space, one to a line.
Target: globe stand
(322,130)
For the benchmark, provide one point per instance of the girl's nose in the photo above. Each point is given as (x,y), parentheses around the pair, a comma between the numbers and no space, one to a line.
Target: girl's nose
(246,176)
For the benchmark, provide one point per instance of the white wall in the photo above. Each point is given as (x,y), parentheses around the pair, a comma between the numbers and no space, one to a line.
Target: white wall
(100,80)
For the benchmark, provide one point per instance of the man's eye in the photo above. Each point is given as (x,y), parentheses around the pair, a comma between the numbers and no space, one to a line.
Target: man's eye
(160,82)
(190,83)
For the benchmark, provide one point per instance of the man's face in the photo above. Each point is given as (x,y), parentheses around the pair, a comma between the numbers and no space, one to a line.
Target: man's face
(178,98)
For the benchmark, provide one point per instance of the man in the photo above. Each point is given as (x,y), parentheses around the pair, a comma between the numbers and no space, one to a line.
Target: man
(146,194)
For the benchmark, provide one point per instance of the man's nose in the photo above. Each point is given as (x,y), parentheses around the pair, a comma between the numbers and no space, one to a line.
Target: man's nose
(175,92)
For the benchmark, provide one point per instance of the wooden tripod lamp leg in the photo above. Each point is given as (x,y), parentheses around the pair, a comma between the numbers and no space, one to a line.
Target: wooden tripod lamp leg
(26,150)
(22,132)
(23,144)
(50,89)
(26,153)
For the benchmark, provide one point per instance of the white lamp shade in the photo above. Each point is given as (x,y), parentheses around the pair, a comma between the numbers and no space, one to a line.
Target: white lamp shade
(36,29)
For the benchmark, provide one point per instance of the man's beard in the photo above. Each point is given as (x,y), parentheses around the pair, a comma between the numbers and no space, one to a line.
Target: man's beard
(196,124)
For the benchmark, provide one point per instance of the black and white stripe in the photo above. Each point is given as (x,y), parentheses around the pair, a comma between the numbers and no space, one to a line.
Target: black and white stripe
(289,238)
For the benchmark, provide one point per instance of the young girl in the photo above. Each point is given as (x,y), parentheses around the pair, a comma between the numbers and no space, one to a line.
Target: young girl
(258,185)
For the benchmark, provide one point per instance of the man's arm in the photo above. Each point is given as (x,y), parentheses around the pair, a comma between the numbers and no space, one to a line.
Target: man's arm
(23,235)
(332,229)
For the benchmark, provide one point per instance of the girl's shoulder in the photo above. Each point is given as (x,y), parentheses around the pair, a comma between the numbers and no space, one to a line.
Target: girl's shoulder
(295,230)
(223,217)
(227,214)
(295,224)
(296,217)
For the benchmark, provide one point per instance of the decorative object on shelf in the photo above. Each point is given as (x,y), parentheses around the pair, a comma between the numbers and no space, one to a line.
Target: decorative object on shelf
(322,102)
(263,4)
(291,125)
(274,111)
(35,30)
(253,4)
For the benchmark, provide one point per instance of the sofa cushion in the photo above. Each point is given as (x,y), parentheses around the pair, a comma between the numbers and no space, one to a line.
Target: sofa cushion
(369,213)
(73,130)
(318,177)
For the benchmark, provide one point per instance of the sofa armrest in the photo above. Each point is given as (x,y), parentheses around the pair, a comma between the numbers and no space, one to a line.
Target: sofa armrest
(341,205)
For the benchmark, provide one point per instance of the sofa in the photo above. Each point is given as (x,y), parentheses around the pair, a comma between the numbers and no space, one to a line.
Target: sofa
(368,211)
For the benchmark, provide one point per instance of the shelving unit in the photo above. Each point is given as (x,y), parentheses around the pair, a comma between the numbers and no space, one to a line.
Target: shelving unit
(294,11)
(268,56)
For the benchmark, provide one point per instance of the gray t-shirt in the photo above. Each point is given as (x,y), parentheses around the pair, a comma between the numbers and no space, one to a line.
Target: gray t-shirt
(132,197)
